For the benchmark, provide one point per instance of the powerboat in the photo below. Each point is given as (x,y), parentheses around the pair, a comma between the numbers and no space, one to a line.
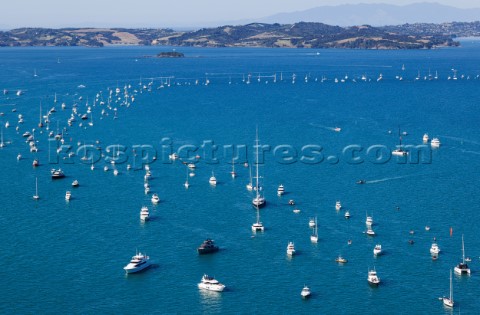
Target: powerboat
(75,183)
(377,250)
(213,180)
(340,260)
(369,221)
(208,246)
(435,143)
(370,232)
(211,284)
(361,181)
(373,279)
(155,198)
(338,205)
(144,213)
(425,138)
(280,190)
(305,292)
(290,249)
(138,263)
(347,214)
(434,249)
(57,173)
(68,195)
(311,223)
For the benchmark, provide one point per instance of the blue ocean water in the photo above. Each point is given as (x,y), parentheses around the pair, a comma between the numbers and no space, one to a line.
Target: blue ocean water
(63,256)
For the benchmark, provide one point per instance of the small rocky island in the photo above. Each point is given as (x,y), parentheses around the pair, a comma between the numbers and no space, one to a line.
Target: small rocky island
(170,54)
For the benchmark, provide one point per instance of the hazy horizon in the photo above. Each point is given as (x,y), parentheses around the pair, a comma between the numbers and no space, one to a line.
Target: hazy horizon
(162,14)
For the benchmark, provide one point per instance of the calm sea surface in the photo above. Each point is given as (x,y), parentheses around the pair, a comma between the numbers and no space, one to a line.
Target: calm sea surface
(68,257)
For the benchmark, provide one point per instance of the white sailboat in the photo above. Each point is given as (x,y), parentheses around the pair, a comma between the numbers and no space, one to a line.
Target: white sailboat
(186,181)
(258,226)
(2,144)
(462,268)
(314,236)
(36,196)
(233,173)
(448,301)
(250,184)
(399,151)
(259,201)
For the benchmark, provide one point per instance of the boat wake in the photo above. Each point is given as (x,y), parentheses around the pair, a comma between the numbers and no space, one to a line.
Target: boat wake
(461,140)
(471,152)
(389,178)
(337,129)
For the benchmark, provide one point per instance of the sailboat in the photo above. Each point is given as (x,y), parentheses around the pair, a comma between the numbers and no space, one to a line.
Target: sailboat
(250,185)
(186,181)
(449,301)
(399,151)
(36,196)
(259,201)
(258,226)
(462,268)
(314,236)
(233,168)
(2,144)
(40,123)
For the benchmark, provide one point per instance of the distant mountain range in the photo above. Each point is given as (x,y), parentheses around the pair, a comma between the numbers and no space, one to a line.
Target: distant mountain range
(376,14)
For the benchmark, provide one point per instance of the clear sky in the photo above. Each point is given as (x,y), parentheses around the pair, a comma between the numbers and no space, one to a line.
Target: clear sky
(162,13)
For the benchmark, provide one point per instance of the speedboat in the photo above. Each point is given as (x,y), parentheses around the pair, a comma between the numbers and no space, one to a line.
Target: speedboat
(290,249)
(373,279)
(435,143)
(360,181)
(155,198)
(338,205)
(340,260)
(434,249)
(425,138)
(56,174)
(399,152)
(347,214)
(191,166)
(35,163)
(68,195)
(138,263)
(210,283)
(377,250)
(208,246)
(369,221)
(311,222)
(305,292)
(280,190)
(213,180)
(370,232)
(173,156)
(144,213)
(75,183)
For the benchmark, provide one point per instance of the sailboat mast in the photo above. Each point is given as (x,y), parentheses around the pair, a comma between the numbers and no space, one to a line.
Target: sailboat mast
(463,251)
(256,162)
(451,288)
